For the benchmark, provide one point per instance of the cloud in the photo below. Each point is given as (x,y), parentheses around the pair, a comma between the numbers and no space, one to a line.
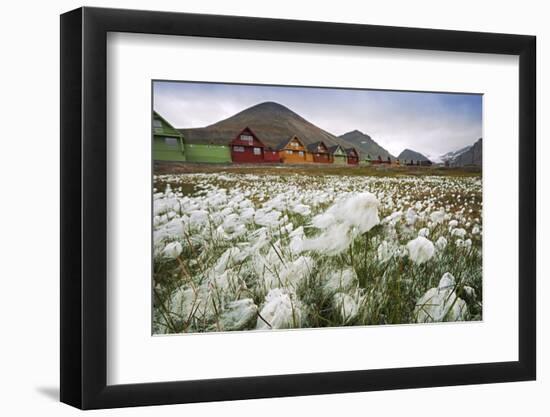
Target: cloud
(430,123)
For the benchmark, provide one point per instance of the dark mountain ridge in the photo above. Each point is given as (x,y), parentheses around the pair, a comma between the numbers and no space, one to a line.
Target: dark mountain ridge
(271,122)
(409,154)
(365,144)
(472,156)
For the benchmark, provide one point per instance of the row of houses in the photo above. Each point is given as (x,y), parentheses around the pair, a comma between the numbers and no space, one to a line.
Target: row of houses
(402,162)
(246,147)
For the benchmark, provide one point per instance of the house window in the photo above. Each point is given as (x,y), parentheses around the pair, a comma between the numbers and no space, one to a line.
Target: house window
(157,126)
(246,138)
(238,148)
(301,153)
(172,142)
(257,151)
(289,152)
(294,144)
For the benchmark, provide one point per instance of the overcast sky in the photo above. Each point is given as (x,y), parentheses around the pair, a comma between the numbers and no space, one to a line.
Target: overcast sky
(430,123)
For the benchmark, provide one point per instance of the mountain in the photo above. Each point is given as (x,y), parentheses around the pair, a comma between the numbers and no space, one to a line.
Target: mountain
(409,155)
(365,144)
(471,156)
(271,122)
(450,156)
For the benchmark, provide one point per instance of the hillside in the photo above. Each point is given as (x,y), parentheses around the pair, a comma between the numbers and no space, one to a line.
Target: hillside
(450,156)
(409,155)
(365,144)
(271,122)
(472,156)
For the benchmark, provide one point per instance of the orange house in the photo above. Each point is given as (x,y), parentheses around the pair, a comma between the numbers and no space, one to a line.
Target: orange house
(292,151)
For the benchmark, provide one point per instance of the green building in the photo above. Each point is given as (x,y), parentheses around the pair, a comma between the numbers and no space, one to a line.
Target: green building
(338,155)
(365,159)
(168,144)
(209,153)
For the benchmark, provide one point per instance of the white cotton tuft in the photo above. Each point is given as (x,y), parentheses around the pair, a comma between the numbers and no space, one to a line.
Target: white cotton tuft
(361,211)
(346,307)
(267,217)
(411,217)
(446,281)
(336,239)
(459,232)
(441,243)
(198,218)
(238,314)
(230,257)
(324,220)
(385,251)
(172,250)
(425,232)
(441,303)
(280,311)
(181,302)
(420,250)
(393,218)
(295,272)
(340,281)
(437,216)
(301,209)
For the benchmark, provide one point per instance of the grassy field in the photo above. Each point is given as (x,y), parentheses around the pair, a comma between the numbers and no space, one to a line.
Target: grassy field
(316,169)
(256,247)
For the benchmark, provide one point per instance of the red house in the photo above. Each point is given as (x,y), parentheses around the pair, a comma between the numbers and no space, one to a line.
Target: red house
(353,156)
(247,148)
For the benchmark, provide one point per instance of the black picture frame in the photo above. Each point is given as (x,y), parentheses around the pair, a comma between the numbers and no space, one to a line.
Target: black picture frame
(84,207)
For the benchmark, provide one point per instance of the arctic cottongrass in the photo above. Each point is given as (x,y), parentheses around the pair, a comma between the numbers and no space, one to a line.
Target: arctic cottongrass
(302,209)
(385,251)
(340,281)
(441,303)
(280,311)
(359,211)
(172,250)
(437,216)
(411,217)
(346,306)
(336,239)
(424,232)
(276,251)
(459,232)
(441,243)
(238,314)
(420,250)
(181,302)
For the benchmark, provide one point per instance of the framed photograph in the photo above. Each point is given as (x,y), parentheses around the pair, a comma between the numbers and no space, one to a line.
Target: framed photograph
(257,208)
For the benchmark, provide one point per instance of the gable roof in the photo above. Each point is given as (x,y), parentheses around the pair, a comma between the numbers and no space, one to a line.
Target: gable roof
(314,147)
(284,143)
(167,129)
(334,148)
(351,151)
(237,140)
